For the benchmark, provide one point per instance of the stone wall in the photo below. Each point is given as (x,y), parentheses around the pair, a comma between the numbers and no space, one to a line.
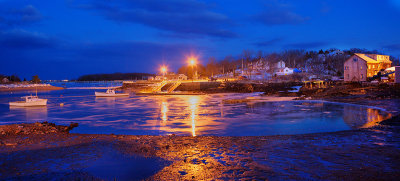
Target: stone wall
(197,86)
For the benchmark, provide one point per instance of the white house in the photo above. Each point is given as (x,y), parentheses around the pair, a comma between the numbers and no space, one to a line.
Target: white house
(284,71)
(280,65)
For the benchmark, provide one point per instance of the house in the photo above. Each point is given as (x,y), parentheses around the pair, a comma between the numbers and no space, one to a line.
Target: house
(285,71)
(4,80)
(171,76)
(360,66)
(280,65)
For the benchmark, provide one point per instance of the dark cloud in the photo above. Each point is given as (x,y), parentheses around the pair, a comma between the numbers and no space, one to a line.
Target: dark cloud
(11,17)
(20,39)
(268,42)
(307,45)
(275,13)
(57,59)
(177,16)
(280,17)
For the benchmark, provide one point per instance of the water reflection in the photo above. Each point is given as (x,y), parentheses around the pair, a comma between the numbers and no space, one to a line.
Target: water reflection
(193,115)
(193,101)
(36,113)
(362,117)
(164,111)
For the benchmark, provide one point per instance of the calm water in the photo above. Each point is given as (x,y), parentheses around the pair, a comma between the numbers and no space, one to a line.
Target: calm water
(187,115)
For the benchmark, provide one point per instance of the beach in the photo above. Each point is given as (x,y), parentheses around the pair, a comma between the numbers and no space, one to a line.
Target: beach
(347,155)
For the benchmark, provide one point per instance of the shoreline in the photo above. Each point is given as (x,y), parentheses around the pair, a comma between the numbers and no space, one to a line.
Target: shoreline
(39,88)
(300,156)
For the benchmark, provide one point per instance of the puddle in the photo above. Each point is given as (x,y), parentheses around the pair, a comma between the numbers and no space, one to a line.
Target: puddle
(113,165)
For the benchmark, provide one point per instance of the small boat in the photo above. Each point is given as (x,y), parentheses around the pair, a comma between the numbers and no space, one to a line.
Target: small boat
(110,93)
(29,101)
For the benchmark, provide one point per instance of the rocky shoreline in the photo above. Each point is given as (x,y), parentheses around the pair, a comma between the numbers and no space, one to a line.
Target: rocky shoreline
(355,154)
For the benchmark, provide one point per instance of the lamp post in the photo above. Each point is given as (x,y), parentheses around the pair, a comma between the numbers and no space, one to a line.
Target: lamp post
(163,70)
(192,62)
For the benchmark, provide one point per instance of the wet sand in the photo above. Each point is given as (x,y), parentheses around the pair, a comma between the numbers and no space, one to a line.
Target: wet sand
(364,154)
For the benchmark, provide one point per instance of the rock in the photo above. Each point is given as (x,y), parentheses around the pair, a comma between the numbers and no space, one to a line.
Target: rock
(72,125)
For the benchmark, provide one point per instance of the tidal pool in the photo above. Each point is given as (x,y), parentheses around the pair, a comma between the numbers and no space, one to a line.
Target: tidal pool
(188,115)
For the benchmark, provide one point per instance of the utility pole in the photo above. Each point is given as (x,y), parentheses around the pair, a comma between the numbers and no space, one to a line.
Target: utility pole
(242,65)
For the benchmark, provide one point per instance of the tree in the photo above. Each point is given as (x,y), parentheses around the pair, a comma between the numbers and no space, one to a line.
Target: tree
(35,79)
(14,78)
(211,67)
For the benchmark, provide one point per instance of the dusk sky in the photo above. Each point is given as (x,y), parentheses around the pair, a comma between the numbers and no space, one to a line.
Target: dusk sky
(66,39)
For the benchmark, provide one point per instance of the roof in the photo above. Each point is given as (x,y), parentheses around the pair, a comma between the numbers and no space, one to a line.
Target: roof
(369,59)
(366,58)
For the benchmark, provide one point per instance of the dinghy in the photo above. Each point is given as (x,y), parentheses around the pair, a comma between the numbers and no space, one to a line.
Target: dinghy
(110,93)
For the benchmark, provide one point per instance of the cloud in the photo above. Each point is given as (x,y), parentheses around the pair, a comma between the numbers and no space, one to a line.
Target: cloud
(20,39)
(11,17)
(275,13)
(177,16)
(307,45)
(268,42)
(36,53)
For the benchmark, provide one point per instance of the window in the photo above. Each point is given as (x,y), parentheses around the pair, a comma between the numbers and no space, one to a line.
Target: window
(373,66)
(362,76)
(369,66)
(361,67)
(355,59)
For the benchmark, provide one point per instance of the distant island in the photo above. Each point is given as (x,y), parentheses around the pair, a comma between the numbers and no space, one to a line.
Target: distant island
(114,76)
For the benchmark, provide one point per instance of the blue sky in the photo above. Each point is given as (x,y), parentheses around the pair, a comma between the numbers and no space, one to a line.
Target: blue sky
(66,39)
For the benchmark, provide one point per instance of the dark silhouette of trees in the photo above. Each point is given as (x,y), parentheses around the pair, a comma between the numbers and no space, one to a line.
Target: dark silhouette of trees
(114,76)
(35,79)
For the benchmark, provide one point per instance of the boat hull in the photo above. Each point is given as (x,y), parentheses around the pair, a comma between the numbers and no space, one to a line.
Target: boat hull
(40,102)
(102,94)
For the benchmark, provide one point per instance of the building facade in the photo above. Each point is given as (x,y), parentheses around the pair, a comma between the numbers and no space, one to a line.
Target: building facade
(359,67)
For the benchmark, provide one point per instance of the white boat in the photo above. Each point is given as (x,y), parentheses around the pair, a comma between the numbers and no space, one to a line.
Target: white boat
(29,101)
(110,93)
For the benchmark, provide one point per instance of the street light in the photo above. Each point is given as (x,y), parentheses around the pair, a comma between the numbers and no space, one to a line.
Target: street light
(163,71)
(192,62)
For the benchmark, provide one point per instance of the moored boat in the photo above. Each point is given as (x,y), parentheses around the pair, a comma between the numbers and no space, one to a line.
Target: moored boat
(110,93)
(29,101)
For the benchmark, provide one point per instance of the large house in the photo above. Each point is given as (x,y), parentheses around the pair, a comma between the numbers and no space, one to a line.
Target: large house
(360,66)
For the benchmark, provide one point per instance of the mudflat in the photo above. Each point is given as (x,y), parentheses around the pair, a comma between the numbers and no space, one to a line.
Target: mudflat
(48,151)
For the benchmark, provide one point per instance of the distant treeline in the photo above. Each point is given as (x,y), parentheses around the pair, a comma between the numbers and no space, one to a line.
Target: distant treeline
(15,78)
(114,76)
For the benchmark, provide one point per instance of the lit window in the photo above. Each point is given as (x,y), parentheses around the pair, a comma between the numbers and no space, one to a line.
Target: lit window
(373,66)
(362,76)
(361,67)
(369,66)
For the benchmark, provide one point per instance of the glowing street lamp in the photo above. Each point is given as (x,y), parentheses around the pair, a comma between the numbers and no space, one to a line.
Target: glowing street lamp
(192,62)
(163,70)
